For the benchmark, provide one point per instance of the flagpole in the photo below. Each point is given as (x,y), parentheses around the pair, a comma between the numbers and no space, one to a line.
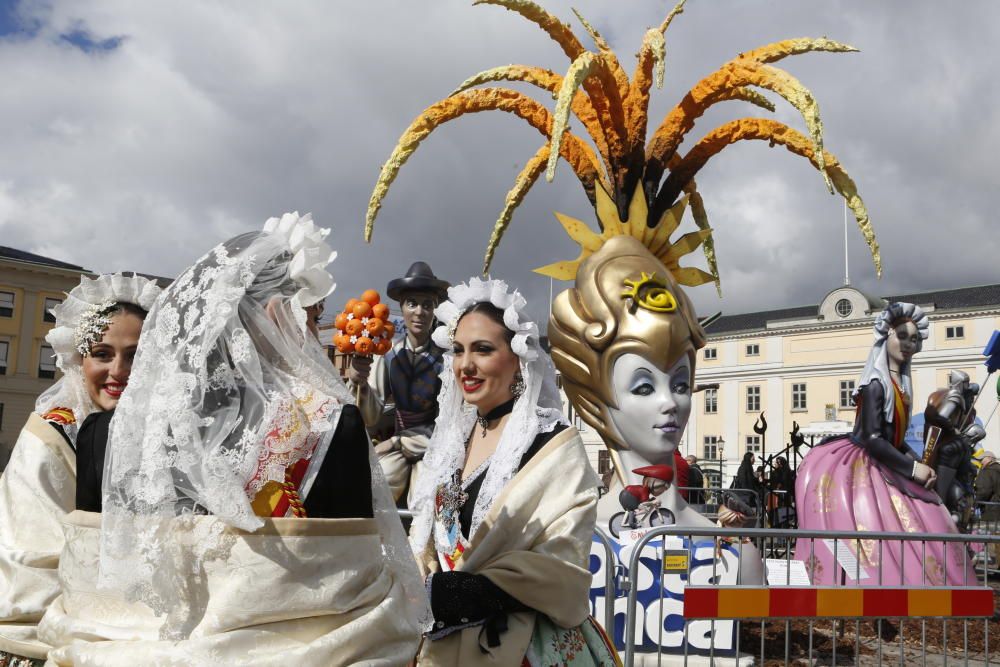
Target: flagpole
(847,270)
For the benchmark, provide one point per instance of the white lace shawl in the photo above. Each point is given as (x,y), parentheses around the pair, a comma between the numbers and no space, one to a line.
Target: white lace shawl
(227,390)
(69,391)
(538,410)
(877,366)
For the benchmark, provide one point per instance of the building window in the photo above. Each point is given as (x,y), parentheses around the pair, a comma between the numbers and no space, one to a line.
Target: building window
(753,444)
(50,303)
(711,353)
(846,394)
(46,363)
(954,332)
(753,398)
(844,308)
(711,401)
(753,350)
(799,396)
(4,352)
(603,462)
(6,304)
(711,450)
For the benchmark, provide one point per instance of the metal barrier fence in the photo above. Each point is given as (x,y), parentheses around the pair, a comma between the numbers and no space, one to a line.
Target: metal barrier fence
(970,598)
(986,518)
(921,603)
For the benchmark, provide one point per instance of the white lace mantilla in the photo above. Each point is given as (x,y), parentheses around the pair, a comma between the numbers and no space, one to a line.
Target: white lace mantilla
(227,390)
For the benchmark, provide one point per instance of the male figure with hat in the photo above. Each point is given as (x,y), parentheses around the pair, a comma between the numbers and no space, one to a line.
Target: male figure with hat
(404,383)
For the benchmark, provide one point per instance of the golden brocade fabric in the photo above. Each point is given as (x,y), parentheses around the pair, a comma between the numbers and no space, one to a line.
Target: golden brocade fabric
(822,501)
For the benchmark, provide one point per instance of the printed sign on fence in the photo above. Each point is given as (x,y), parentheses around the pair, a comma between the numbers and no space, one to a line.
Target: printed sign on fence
(846,559)
(781,572)
(660,603)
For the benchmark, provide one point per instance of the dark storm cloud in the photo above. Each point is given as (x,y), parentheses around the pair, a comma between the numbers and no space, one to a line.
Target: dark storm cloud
(206,119)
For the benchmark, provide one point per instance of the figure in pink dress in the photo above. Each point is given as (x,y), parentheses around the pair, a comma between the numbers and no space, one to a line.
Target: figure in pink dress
(871,480)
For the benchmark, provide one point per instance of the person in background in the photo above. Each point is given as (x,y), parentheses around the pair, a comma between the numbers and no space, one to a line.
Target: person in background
(696,481)
(988,490)
(751,491)
(782,486)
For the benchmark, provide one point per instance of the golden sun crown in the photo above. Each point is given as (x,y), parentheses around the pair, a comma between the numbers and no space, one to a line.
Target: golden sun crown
(656,239)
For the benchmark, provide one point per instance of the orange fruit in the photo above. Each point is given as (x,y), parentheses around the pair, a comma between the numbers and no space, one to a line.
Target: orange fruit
(381,311)
(361,309)
(354,327)
(370,297)
(363,346)
(389,330)
(383,346)
(341,321)
(375,326)
(344,345)
(349,306)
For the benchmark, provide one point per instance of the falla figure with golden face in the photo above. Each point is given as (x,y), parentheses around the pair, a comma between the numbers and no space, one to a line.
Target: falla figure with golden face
(625,339)
(625,336)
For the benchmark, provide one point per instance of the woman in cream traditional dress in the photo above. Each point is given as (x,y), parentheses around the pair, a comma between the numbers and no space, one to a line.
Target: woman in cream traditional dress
(244,520)
(94,340)
(506,505)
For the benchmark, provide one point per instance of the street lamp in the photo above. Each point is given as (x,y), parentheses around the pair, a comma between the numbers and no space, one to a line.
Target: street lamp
(720,450)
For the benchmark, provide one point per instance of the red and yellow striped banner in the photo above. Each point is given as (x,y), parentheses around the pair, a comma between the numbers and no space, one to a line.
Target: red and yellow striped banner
(811,602)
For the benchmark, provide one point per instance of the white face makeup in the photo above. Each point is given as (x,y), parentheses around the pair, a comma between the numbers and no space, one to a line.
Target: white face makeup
(903,343)
(653,406)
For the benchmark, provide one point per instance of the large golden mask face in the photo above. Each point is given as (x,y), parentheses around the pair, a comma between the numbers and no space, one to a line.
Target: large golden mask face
(625,302)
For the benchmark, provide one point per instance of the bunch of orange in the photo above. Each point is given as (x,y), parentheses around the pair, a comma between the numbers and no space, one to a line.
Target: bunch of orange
(364,327)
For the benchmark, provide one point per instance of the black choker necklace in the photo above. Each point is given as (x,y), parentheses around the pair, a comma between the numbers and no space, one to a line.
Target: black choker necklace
(496,413)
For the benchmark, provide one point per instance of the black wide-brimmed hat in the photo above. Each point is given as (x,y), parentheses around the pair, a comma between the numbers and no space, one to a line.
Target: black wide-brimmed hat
(419,278)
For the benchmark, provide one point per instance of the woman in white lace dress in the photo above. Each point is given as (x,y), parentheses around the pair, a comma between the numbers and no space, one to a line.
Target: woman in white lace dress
(94,338)
(506,505)
(244,519)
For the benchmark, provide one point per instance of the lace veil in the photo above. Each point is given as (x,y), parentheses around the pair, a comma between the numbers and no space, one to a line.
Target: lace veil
(877,366)
(227,390)
(82,301)
(538,409)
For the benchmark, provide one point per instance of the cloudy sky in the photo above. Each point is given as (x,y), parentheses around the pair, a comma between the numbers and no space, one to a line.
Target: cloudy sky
(138,135)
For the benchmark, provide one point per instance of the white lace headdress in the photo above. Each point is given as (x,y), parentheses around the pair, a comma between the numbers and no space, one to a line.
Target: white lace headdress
(228,389)
(877,366)
(537,410)
(79,322)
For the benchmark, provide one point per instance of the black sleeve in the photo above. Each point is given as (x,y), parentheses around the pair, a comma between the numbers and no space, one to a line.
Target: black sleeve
(873,428)
(460,599)
(343,486)
(91,445)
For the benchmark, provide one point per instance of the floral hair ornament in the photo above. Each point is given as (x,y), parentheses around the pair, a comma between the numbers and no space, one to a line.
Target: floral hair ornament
(85,315)
(310,252)
(463,297)
(92,326)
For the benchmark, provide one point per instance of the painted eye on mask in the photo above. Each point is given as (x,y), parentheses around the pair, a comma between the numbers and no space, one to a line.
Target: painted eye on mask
(644,389)
(650,293)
